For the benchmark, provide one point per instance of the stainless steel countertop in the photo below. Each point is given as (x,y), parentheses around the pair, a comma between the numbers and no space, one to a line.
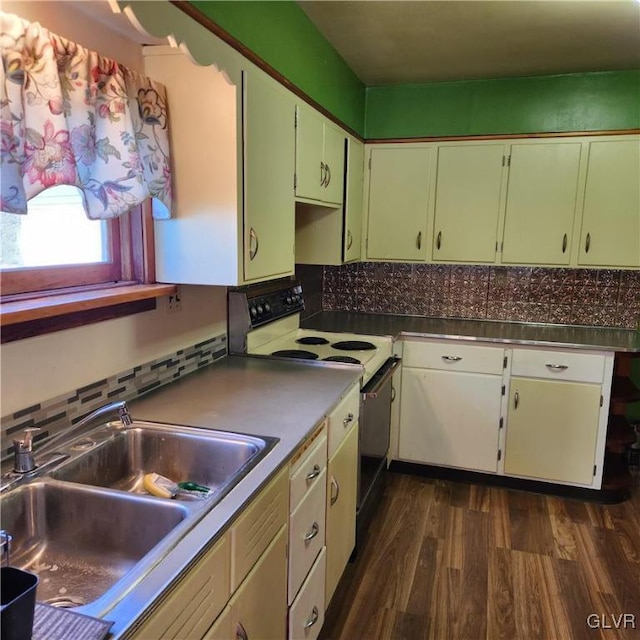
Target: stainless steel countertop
(251,395)
(548,335)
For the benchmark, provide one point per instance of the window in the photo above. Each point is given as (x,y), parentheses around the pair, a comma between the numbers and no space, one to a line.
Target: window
(57,246)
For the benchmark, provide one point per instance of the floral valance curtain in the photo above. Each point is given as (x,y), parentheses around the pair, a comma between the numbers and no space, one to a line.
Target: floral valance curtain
(71,116)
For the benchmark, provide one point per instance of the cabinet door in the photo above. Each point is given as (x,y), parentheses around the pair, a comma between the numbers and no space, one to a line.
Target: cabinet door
(259,607)
(334,165)
(552,429)
(450,418)
(342,489)
(541,203)
(269,158)
(468,184)
(353,202)
(611,216)
(221,628)
(310,173)
(399,187)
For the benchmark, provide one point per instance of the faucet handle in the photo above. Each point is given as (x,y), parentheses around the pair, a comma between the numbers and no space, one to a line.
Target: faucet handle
(25,445)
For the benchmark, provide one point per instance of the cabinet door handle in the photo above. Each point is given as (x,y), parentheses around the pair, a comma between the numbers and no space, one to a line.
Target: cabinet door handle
(313,532)
(253,236)
(241,633)
(393,393)
(516,400)
(323,174)
(315,473)
(328,168)
(334,483)
(556,367)
(313,618)
(565,239)
(452,358)
(439,240)
(348,420)
(419,240)
(587,243)
(349,240)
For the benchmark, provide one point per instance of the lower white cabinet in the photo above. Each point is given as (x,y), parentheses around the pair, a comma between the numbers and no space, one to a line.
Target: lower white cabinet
(450,418)
(552,431)
(342,493)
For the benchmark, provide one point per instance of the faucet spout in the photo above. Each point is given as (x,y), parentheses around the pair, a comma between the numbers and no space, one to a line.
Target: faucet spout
(106,413)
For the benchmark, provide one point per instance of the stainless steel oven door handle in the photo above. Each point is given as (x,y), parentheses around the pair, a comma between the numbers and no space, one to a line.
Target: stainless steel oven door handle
(373,393)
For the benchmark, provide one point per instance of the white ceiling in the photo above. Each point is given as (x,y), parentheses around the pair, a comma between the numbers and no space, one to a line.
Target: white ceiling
(404,42)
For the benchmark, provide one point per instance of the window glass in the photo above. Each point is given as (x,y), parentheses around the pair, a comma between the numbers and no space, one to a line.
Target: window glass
(56,231)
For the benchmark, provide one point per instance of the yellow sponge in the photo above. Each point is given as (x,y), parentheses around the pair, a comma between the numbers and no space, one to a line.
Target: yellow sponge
(159,486)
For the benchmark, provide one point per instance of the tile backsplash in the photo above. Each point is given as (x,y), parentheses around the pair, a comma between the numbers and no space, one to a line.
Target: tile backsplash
(56,414)
(593,297)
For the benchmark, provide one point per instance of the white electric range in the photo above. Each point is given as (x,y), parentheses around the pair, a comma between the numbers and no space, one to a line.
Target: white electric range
(265,321)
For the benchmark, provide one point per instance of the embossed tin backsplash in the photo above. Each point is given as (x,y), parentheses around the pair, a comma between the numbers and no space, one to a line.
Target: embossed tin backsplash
(591,297)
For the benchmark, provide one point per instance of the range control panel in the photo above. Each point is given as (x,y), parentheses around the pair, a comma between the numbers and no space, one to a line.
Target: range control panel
(272,306)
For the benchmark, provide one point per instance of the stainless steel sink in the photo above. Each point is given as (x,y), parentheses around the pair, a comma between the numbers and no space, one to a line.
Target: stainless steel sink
(82,527)
(214,459)
(82,540)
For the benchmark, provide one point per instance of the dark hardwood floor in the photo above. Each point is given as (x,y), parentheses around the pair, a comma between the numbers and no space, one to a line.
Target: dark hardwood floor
(446,560)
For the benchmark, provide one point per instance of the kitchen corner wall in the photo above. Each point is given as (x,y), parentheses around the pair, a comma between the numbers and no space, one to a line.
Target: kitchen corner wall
(592,297)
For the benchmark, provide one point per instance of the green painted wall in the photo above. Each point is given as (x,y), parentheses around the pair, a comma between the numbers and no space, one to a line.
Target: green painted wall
(573,102)
(282,35)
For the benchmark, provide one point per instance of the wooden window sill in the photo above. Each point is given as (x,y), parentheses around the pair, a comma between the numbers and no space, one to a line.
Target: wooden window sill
(37,315)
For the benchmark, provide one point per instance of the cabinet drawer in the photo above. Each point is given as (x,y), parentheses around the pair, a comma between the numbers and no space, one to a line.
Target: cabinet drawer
(193,605)
(257,526)
(453,356)
(305,472)
(342,418)
(562,365)
(306,534)
(306,615)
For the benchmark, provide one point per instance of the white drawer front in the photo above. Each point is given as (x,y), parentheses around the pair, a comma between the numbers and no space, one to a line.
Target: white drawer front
(306,615)
(561,365)
(307,472)
(342,418)
(452,355)
(306,534)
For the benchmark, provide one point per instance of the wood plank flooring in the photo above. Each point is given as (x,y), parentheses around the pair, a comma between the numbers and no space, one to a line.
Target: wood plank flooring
(456,561)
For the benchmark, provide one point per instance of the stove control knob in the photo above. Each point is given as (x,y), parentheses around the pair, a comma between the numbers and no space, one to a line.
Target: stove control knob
(260,309)
(267,307)
(289,300)
(253,312)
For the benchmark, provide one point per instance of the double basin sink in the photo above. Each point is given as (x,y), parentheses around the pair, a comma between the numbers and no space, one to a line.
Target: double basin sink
(89,529)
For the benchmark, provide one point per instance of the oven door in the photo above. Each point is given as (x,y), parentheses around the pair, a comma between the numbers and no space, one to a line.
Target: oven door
(375,427)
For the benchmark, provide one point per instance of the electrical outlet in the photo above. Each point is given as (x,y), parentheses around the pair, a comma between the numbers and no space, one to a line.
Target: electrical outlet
(174,302)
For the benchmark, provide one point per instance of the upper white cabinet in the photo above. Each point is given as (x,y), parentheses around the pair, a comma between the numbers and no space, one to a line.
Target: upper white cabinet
(542,195)
(269,152)
(329,234)
(399,189)
(610,233)
(233,154)
(319,158)
(565,201)
(468,189)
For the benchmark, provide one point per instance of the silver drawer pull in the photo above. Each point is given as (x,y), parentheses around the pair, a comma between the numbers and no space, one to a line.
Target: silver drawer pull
(314,531)
(348,420)
(312,619)
(556,367)
(452,358)
(315,473)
